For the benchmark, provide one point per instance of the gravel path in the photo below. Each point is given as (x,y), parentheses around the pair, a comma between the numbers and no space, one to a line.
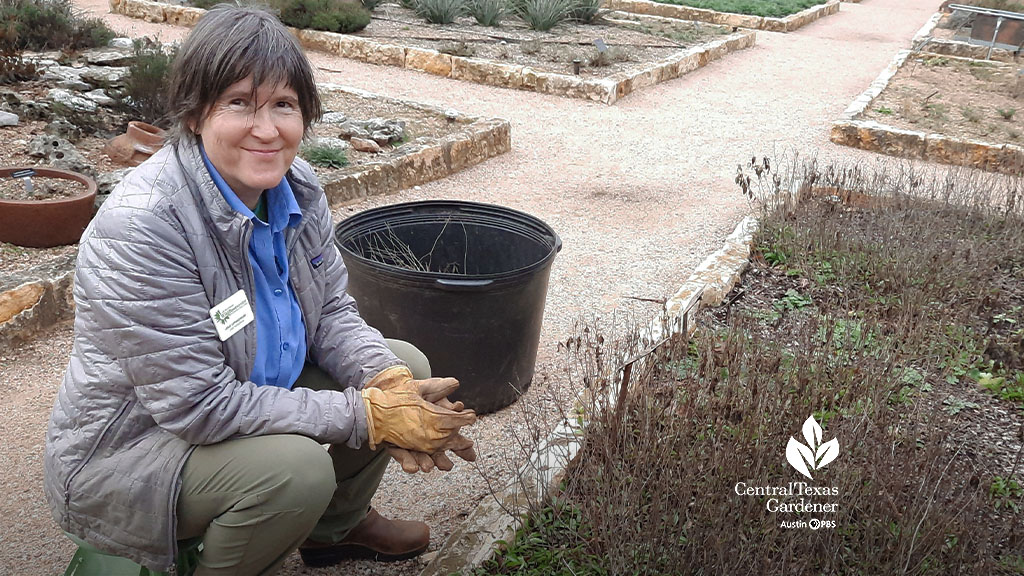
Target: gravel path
(640,193)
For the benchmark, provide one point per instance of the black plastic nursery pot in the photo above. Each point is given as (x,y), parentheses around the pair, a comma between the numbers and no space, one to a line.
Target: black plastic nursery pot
(462,281)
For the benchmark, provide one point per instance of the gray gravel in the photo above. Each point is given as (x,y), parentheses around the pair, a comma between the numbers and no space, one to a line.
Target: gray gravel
(640,193)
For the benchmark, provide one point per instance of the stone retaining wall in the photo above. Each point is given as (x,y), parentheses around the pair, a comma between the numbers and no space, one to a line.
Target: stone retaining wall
(605,90)
(477,140)
(876,137)
(477,539)
(34,300)
(787,24)
(924,42)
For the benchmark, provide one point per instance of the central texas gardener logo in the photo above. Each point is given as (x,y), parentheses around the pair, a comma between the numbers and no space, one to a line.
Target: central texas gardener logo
(814,455)
(220,317)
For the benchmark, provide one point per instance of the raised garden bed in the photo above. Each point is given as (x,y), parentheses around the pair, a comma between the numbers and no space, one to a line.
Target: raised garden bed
(941,108)
(898,337)
(757,22)
(943,35)
(641,51)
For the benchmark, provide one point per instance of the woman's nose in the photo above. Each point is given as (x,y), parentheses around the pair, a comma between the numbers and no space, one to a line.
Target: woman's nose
(263,124)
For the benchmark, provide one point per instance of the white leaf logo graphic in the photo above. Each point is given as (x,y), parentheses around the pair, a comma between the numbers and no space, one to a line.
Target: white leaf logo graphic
(814,455)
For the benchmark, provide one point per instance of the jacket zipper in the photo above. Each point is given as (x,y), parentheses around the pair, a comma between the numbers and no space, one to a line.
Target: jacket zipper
(172,503)
(92,450)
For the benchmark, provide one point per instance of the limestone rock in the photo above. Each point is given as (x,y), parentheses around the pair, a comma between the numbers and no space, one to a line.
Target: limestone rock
(8,118)
(334,118)
(328,142)
(59,153)
(353,130)
(106,182)
(384,131)
(107,57)
(100,97)
(121,43)
(66,77)
(105,76)
(61,128)
(429,61)
(363,145)
(14,302)
(70,100)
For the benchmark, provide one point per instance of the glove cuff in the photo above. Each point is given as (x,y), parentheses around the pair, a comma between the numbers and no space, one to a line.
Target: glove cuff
(389,378)
(371,432)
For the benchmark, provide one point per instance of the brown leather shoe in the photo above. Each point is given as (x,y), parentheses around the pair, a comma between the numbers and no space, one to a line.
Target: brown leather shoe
(375,538)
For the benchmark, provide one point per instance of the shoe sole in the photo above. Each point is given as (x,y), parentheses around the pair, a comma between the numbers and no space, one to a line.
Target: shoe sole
(336,554)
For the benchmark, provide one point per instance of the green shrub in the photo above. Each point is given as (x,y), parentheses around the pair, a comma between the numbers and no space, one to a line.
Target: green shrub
(542,15)
(410,4)
(488,12)
(584,10)
(205,4)
(48,25)
(144,96)
(371,4)
(440,11)
(324,156)
(328,15)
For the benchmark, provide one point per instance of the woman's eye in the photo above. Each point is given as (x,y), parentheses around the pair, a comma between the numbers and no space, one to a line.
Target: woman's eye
(237,103)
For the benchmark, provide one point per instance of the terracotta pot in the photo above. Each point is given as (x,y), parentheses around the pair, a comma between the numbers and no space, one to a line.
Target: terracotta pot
(139,142)
(46,223)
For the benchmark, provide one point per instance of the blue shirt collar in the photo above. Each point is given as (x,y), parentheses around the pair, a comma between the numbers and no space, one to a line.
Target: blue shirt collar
(282,209)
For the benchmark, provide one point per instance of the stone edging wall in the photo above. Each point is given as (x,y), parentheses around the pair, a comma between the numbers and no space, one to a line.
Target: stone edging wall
(35,299)
(876,137)
(925,43)
(478,140)
(605,90)
(787,24)
(476,540)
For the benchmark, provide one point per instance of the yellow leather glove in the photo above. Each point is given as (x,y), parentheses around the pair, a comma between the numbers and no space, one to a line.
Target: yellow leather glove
(433,390)
(401,417)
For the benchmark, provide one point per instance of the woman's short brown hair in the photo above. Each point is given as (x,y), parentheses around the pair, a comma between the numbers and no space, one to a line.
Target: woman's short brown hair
(230,44)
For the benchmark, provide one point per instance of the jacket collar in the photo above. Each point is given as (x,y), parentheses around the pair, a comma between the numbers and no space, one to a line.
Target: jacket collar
(225,220)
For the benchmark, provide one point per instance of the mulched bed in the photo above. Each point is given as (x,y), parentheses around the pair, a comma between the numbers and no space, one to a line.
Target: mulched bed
(771,8)
(966,99)
(631,46)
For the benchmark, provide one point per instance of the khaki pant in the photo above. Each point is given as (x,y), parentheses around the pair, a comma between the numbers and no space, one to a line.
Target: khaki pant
(254,500)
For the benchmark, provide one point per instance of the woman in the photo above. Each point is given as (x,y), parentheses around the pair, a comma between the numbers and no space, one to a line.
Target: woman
(216,347)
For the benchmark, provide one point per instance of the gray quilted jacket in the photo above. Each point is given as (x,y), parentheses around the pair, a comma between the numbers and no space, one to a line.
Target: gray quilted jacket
(148,378)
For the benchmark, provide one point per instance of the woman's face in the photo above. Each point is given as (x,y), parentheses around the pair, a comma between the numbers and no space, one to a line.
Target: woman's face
(253,143)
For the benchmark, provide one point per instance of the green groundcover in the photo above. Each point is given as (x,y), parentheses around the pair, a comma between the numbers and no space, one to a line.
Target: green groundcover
(772,8)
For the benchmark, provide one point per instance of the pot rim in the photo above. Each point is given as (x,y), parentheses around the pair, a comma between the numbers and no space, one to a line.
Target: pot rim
(50,172)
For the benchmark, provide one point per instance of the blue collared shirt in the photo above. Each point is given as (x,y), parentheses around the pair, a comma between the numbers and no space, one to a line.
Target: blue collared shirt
(280,330)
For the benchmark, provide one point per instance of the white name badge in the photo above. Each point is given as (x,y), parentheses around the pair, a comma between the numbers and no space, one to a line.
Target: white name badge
(231,315)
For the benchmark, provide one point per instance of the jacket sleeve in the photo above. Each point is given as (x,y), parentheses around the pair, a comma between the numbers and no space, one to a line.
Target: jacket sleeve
(343,345)
(141,301)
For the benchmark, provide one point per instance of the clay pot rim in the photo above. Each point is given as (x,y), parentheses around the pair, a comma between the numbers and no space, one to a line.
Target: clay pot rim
(50,172)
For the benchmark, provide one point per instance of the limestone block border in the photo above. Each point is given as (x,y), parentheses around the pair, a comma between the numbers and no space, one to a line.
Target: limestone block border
(604,90)
(787,24)
(477,539)
(924,42)
(876,137)
(476,141)
(35,299)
